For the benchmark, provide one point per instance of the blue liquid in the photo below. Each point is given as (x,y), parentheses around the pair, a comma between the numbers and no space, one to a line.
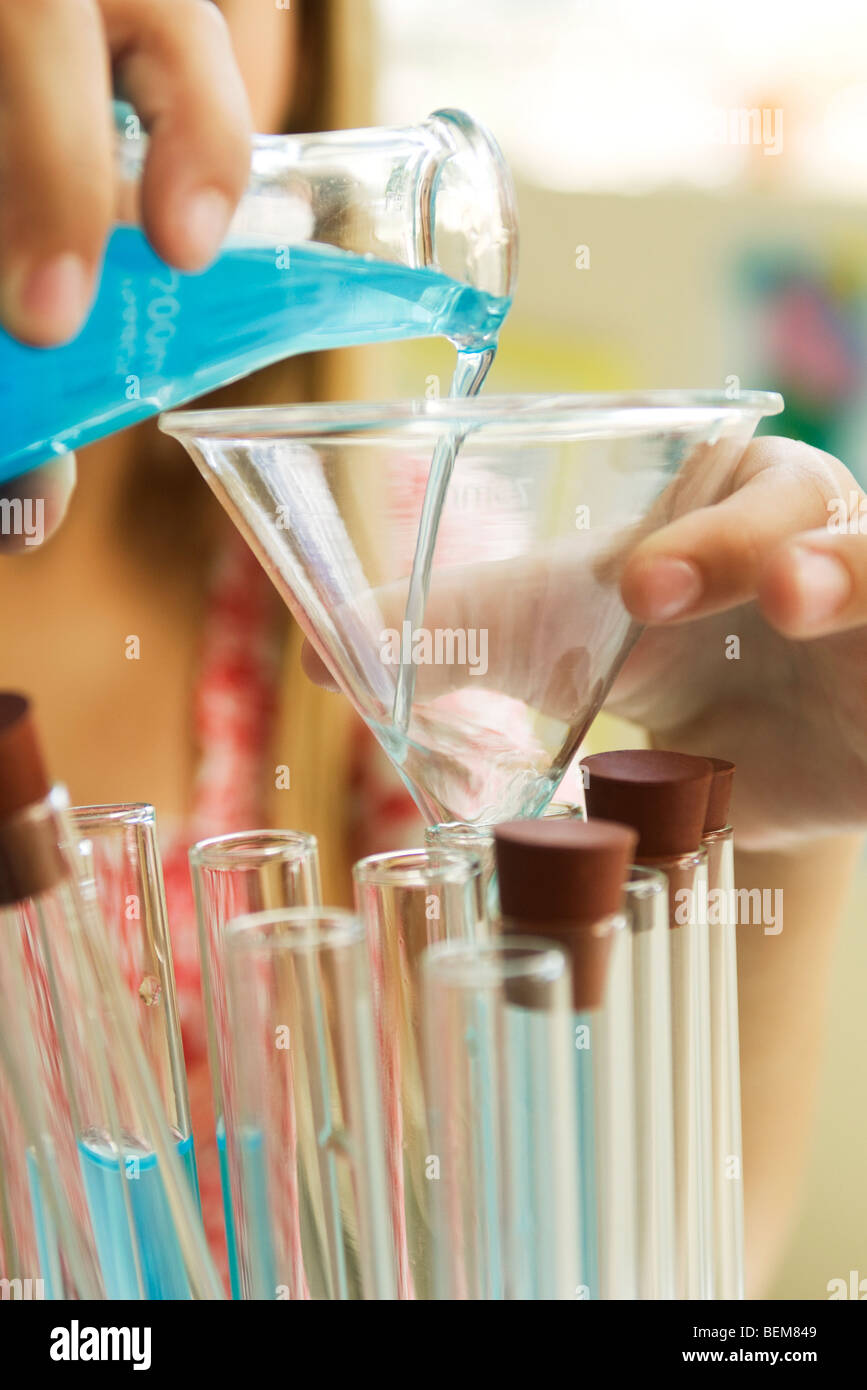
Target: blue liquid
(156,338)
(228,1218)
(260,1254)
(46,1233)
(107,1181)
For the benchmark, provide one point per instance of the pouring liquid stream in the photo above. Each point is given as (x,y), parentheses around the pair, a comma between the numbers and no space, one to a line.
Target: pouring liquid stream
(470,372)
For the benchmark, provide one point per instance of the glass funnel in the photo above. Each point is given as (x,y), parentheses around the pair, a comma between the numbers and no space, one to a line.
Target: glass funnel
(481,704)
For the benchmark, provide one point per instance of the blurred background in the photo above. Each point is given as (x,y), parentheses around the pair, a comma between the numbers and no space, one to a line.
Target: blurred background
(692,182)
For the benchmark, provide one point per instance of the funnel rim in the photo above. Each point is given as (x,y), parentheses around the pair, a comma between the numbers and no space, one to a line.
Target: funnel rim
(590,410)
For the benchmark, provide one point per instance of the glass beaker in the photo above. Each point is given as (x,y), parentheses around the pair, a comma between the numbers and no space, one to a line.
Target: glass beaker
(344,237)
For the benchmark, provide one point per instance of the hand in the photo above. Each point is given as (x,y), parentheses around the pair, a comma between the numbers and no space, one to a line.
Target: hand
(174,62)
(786,701)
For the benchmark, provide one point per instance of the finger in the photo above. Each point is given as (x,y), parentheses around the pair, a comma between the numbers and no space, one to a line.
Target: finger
(33,506)
(711,559)
(175,63)
(315,669)
(816,584)
(55,164)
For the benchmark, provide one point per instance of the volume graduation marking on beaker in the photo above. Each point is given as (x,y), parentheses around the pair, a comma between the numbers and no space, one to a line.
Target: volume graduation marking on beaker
(161,312)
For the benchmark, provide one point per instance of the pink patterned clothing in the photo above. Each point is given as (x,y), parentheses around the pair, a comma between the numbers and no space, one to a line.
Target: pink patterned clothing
(235,707)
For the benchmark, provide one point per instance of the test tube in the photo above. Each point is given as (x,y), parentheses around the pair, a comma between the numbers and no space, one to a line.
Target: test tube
(408,900)
(460,837)
(647,922)
(234,875)
(313,1218)
(728,1187)
(120,867)
(563,880)
(614,1095)
(664,796)
(502,1167)
(47,1249)
(479,840)
(99,1096)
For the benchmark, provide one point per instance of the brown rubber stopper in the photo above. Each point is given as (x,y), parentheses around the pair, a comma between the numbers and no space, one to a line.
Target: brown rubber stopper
(721,788)
(30,860)
(561,879)
(663,796)
(23,780)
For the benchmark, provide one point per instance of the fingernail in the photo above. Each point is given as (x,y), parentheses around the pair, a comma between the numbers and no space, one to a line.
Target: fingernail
(824,585)
(47,303)
(207,215)
(669,587)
